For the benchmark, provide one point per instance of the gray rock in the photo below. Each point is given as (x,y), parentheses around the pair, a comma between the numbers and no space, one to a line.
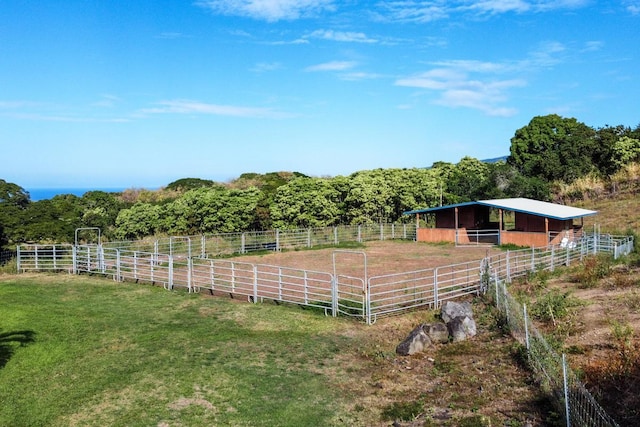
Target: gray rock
(438,332)
(451,309)
(416,342)
(461,328)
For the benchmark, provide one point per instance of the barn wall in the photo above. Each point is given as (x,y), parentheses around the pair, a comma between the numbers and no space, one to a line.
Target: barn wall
(435,235)
(522,238)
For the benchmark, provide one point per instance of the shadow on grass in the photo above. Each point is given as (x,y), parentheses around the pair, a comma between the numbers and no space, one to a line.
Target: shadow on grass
(10,340)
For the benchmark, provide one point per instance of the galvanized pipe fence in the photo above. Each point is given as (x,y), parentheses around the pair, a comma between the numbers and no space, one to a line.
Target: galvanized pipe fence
(365,297)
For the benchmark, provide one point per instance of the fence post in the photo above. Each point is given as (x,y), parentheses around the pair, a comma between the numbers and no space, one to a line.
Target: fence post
(278,240)
(242,240)
(566,389)
(359,234)
(334,296)
(508,268)
(18,258)
(367,302)
(74,257)
(533,259)
(118,264)
(170,271)
(203,246)
(189,273)
(308,237)
(526,327)
(335,235)
(255,284)
(381,231)
(435,288)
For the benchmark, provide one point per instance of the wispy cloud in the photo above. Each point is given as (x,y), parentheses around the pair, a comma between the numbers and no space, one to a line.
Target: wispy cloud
(332,66)
(434,10)
(633,6)
(341,36)
(456,88)
(263,67)
(268,10)
(106,101)
(171,35)
(46,112)
(181,106)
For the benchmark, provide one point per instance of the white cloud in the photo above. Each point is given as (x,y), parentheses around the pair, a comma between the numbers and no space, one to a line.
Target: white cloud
(633,6)
(456,87)
(332,66)
(262,67)
(342,36)
(268,10)
(434,10)
(181,106)
(593,45)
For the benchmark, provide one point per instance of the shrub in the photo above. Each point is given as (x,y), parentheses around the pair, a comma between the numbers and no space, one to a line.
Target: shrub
(553,306)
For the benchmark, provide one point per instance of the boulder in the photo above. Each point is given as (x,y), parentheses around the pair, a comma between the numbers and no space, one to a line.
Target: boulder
(451,309)
(461,328)
(416,342)
(438,332)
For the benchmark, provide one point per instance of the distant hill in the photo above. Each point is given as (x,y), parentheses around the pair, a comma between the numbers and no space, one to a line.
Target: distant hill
(495,159)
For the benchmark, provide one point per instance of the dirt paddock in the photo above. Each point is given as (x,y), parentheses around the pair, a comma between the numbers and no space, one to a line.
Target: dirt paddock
(382,257)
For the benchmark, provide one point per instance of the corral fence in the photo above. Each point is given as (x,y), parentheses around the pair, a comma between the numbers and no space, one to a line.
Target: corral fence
(363,297)
(215,245)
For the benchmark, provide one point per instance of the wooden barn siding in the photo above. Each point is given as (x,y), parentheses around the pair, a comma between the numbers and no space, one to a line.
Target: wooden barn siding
(435,235)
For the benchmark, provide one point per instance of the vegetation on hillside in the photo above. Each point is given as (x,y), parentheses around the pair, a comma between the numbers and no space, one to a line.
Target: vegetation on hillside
(551,158)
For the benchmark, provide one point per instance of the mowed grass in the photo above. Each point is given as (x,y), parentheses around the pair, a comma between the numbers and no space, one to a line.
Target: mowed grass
(77,351)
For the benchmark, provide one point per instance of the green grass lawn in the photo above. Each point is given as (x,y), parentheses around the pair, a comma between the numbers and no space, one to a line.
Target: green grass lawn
(87,351)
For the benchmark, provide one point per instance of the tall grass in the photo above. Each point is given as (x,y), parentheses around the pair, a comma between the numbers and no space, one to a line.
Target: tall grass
(86,352)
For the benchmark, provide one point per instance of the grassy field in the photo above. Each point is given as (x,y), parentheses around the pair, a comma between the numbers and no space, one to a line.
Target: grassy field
(83,351)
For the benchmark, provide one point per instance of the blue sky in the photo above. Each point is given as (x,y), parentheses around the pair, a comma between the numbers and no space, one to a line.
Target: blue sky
(119,94)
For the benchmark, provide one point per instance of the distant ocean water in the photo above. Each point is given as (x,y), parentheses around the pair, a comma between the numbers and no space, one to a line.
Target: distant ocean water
(37,194)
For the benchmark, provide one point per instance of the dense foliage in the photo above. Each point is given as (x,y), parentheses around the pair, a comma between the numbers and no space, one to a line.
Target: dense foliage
(549,151)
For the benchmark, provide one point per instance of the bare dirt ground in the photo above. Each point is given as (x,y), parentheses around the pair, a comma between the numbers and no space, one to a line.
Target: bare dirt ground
(382,257)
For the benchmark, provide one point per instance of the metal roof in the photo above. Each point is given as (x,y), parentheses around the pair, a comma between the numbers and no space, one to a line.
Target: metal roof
(529,206)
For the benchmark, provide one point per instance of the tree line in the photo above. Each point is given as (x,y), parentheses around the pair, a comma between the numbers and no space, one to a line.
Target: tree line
(549,150)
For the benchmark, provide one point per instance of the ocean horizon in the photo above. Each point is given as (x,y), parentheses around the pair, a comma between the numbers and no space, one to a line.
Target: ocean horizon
(37,194)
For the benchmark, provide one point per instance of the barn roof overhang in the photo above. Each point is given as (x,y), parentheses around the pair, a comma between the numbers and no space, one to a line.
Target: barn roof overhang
(528,206)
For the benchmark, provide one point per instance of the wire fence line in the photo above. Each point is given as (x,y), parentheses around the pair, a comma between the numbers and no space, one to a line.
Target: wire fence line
(365,297)
(551,369)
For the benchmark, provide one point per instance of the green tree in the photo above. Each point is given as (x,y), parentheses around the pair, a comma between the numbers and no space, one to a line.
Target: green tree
(14,201)
(305,202)
(553,148)
(469,179)
(140,220)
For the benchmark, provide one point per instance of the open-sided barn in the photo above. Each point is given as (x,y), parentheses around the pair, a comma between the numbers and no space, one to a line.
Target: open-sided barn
(518,221)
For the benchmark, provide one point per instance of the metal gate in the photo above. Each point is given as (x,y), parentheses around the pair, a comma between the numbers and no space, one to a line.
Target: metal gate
(351,293)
